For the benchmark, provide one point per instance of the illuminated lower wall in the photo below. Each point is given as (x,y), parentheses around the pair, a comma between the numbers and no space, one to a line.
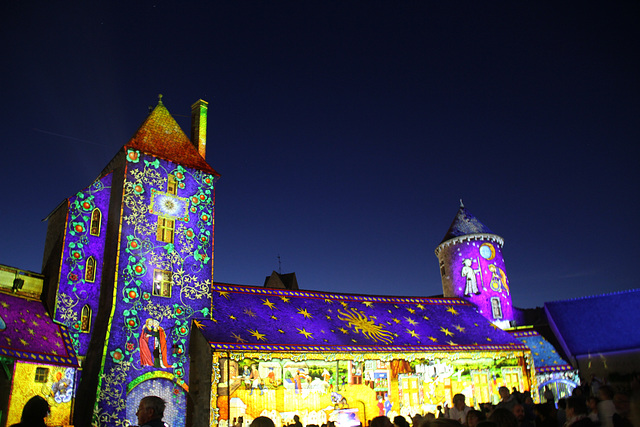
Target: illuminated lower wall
(353,388)
(54,383)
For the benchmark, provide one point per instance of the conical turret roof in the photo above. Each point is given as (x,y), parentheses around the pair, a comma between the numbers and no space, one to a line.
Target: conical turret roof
(161,136)
(464,223)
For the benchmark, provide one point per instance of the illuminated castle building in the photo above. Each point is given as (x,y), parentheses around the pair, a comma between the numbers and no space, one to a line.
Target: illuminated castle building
(128,288)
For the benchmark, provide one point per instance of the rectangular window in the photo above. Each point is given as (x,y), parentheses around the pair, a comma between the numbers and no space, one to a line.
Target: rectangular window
(162,282)
(496,308)
(165,230)
(172,185)
(42,375)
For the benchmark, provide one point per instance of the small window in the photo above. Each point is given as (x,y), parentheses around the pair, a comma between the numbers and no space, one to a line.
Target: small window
(85,319)
(443,272)
(165,230)
(162,282)
(90,270)
(496,308)
(172,185)
(96,218)
(42,375)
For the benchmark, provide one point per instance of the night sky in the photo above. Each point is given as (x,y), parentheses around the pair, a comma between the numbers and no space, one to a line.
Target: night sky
(346,132)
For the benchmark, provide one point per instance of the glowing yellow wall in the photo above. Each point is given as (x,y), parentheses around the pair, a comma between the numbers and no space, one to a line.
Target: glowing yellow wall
(24,387)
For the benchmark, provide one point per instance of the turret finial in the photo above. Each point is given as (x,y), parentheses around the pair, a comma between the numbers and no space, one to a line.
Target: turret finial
(159,99)
(461,204)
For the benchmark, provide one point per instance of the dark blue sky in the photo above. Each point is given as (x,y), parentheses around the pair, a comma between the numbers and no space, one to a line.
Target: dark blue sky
(346,132)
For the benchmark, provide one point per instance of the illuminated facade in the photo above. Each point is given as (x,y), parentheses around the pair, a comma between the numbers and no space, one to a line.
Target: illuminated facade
(128,272)
(347,358)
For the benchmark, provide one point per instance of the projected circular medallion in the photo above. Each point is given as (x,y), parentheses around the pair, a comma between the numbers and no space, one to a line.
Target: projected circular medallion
(487,251)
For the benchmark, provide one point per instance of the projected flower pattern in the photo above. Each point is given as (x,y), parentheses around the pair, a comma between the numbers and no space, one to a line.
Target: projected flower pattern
(82,242)
(142,314)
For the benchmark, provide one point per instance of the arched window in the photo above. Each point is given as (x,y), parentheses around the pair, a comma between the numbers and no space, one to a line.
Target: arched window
(496,308)
(85,319)
(96,218)
(90,270)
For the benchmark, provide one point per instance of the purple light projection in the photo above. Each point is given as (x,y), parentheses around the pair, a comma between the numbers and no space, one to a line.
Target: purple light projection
(81,268)
(163,282)
(473,269)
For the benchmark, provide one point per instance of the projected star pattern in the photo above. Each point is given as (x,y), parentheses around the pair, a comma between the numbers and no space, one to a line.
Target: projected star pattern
(248,317)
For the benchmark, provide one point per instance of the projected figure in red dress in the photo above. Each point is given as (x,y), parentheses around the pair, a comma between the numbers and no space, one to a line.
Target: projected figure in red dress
(153,345)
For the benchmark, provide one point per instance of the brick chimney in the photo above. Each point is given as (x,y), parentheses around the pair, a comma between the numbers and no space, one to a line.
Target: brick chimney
(199,126)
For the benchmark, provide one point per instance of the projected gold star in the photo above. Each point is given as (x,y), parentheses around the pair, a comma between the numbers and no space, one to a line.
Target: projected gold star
(304,313)
(368,303)
(413,333)
(31,331)
(232,317)
(425,317)
(328,301)
(284,299)
(410,310)
(198,324)
(257,335)
(249,312)
(459,328)
(343,330)
(281,331)
(420,306)
(452,311)
(224,294)
(4,304)
(451,343)
(237,337)
(488,339)
(304,332)
(344,304)
(446,331)
(434,339)
(268,303)
(410,321)
(214,319)
(396,320)
(273,316)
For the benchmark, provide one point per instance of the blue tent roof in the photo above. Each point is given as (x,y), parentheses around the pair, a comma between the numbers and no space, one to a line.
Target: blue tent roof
(545,356)
(598,324)
(464,223)
(246,317)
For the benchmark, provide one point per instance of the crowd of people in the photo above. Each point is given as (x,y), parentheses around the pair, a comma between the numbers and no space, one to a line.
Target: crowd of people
(586,407)
(604,407)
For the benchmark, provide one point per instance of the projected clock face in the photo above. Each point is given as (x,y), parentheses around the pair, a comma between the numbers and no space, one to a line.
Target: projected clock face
(487,251)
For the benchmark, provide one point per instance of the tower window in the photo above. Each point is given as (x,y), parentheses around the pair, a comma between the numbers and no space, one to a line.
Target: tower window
(42,374)
(165,230)
(96,218)
(172,185)
(85,319)
(496,308)
(443,272)
(90,270)
(162,282)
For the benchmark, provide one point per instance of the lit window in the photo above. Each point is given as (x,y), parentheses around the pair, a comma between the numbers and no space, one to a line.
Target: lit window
(42,375)
(172,185)
(90,270)
(496,308)
(85,319)
(165,230)
(162,282)
(96,217)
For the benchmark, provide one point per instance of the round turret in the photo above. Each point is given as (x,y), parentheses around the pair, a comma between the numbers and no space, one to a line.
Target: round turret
(472,268)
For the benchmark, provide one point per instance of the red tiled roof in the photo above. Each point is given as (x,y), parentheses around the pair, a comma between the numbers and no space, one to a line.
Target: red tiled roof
(161,136)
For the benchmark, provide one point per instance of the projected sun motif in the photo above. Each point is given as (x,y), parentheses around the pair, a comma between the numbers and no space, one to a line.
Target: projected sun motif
(360,323)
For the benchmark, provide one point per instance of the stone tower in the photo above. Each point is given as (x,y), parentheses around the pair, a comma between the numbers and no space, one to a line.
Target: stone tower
(128,262)
(472,267)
